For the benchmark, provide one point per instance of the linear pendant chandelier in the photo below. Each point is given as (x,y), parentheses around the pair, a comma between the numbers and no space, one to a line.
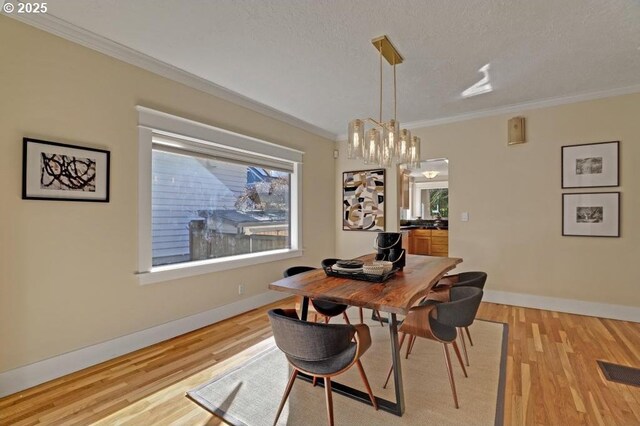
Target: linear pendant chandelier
(384,143)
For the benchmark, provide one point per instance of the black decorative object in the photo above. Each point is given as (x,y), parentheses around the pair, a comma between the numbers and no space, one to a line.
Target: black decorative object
(361,276)
(389,245)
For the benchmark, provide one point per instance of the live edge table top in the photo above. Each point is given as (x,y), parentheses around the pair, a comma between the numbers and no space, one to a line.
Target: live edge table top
(396,295)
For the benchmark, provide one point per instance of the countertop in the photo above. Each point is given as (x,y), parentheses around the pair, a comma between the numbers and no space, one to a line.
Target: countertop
(410,227)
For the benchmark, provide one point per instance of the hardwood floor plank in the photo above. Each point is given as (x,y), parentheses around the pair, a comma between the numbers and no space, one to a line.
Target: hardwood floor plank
(552,375)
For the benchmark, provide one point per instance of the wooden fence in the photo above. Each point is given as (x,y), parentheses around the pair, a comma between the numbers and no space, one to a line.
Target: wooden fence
(205,244)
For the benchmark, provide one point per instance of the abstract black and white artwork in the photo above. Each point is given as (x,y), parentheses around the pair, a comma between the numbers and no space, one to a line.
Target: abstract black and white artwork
(363,200)
(590,165)
(591,214)
(56,171)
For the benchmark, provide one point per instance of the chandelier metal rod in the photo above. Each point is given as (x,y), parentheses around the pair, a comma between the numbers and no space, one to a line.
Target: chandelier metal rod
(380,115)
(395,97)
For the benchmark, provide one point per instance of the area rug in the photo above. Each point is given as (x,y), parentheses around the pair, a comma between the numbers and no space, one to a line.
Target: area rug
(250,394)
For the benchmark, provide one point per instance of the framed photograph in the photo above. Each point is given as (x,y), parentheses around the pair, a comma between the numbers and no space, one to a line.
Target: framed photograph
(595,214)
(57,171)
(591,165)
(363,200)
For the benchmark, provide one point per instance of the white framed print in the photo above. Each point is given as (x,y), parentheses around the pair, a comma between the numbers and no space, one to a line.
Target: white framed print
(592,214)
(591,165)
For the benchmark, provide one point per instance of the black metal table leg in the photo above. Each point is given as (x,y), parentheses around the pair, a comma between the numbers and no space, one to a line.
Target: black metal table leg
(305,308)
(397,368)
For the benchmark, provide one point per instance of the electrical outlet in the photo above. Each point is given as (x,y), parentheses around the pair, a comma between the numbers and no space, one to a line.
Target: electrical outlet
(241,289)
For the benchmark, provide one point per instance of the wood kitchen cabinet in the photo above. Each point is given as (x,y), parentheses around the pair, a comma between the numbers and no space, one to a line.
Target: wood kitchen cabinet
(429,242)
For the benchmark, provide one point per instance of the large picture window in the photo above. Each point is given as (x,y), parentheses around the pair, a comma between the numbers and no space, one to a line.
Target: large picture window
(206,208)
(211,200)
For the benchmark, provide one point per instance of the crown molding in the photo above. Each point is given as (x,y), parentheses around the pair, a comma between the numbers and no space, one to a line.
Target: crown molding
(71,32)
(516,108)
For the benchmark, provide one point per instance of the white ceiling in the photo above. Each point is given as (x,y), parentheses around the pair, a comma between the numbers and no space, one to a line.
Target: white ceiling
(314,60)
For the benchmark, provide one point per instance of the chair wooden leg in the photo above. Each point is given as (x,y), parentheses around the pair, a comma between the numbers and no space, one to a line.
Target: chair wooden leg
(412,340)
(464,346)
(447,360)
(326,320)
(391,368)
(469,335)
(315,380)
(366,384)
(315,317)
(286,395)
(327,392)
(361,316)
(455,347)
(346,318)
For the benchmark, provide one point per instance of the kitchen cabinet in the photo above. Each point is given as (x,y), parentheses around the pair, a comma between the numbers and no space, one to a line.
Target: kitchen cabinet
(429,242)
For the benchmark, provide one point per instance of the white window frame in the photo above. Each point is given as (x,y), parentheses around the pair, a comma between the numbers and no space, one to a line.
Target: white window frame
(156,123)
(417,189)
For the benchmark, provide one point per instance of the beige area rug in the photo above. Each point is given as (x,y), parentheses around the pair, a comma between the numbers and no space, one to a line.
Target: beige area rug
(250,394)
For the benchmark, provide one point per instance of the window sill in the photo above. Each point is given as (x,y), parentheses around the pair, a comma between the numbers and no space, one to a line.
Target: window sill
(184,270)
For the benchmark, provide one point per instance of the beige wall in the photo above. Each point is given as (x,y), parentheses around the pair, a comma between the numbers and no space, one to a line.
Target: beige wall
(513,196)
(67,269)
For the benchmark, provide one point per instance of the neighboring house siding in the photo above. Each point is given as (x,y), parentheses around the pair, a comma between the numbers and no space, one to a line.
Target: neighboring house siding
(183,185)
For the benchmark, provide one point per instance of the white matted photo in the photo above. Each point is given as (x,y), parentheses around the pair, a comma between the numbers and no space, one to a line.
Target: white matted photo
(56,171)
(594,214)
(591,165)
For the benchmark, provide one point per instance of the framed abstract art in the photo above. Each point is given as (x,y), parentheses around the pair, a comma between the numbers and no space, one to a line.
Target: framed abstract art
(363,200)
(62,172)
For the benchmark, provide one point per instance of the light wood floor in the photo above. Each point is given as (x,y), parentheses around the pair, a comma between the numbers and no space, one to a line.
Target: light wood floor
(552,376)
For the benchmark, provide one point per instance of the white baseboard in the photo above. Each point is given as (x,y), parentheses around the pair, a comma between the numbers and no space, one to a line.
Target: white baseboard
(602,310)
(21,378)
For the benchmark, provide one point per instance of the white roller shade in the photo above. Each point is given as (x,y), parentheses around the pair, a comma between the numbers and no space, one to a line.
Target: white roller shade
(215,151)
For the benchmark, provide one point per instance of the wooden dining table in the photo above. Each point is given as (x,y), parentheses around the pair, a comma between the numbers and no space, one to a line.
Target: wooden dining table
(395,296)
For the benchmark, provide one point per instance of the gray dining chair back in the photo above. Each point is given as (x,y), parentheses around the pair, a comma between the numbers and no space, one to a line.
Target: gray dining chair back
(440,321)
(473,279)
(324,307)
(295,270)
(461,310)
(309,341)
(321,350)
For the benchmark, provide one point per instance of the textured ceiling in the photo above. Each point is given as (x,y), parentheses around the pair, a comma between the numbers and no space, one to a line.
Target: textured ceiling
(314,60)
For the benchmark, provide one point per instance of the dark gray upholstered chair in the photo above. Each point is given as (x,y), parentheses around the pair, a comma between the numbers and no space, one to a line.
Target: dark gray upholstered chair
(440,321)
(473,279)
(319,350)
(323,307)
(326,263)
(470,279)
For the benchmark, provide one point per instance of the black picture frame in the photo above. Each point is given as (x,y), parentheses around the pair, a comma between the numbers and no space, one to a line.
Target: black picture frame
(609,165)
(39,184)
(347,202)
(590,229)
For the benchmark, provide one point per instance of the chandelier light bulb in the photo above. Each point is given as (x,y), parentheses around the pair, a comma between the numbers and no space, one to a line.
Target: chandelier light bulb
(372,148)
(355,146)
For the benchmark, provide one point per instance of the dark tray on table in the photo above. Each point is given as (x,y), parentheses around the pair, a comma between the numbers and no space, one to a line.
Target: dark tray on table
(374,278)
